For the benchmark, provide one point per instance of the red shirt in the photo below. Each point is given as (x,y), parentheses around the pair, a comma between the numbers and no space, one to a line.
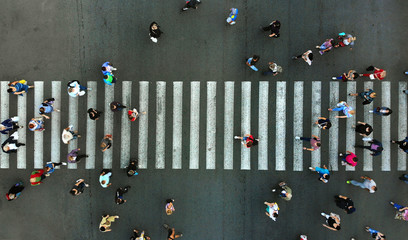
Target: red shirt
(377,74)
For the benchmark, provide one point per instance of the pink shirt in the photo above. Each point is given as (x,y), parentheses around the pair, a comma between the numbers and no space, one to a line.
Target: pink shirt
(313,142)
(349,159)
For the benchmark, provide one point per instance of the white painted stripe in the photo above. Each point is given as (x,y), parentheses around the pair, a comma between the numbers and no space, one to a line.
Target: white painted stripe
(280,127)
(91,126)
(125,127)
(38,136)
(350,132)
(402,125)
(316,112)
(211,124)
(22,114)
(177,124)
(334,130)
(143,124)
(195,125)
(160,124)
(386,127)
(298,126)
(56,123)
(229,126)
(108,125)
(263,125)
(368,118)
(246,124)
(73,120)
(4,114)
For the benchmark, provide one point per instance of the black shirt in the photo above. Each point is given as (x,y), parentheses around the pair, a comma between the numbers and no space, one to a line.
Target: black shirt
(362,128)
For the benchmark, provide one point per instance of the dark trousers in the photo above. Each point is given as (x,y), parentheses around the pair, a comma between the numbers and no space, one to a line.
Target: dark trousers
(79,157)
(366,147)
(305,139)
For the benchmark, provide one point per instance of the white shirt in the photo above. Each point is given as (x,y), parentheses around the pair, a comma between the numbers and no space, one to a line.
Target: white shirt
(369,184)
(273,209)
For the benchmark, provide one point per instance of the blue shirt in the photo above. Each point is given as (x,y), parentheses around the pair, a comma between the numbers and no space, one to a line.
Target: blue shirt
(106,65)
(52,169)
(322,171)
(47,108)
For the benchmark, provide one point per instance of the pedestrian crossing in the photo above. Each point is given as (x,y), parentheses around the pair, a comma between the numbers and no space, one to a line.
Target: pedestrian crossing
(215,112)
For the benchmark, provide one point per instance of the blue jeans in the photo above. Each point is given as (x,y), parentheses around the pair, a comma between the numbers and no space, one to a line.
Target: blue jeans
(305,139)
(371,231)
(82,87)
(359,184)
(405,176)
(338,109)
(398,207)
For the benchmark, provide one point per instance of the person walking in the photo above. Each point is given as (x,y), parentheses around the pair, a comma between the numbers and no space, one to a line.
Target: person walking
(132,168)
(69,134)
(106,222)
(323,123)
(190,4)
(346,39)
(248,140)
(368,95)
(50,167)
(326,46)
(379,74)
(116,106)
(75,89)
(348,159)
(314,142)
(382,111)
(104,178)
(18,87)
(36,124)
(375,234)
(324,173)
(402,212)
(9,124)
(250,62)
(273,69)
(171,233)
(154,32)
(350,76)
(274,27)
(362,128)
(345,203)
(307,57)
(47,107)
(332,221)
(404,178)
(170,206)
(232,16)
(119,199)
(272,210)
(285,193)
(94,114)
(375,146)
(403,144)
(109,79)
(15,191)
(106,142)
(74,157)
(368,184)
(79,187)
(134,114)
(36,177)
(139,235)
(107,68)
(343,106)
(11,144)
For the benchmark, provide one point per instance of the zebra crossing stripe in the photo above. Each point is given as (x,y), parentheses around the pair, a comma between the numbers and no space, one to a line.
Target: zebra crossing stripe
(160,124)
(263,125)
(108,125)
(125,125)
(38,136)
(143,124)
(177,124)
(386,127)
(194,125)
(4,114)
(334,130)
(298,126)
(22,114)
(229,125)
(56,122)
(73,120)
(280,126)
(316,112)
(246,123)
(211,125)
(368,118)
(350,133)
(91,126)
(402,125)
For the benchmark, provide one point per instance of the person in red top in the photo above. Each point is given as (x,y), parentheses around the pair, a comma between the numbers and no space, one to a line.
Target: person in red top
(36,177)
(133,114)
(378,73)
(248,140)
(350,159)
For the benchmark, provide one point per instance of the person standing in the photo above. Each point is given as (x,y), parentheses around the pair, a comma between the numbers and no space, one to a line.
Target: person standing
(232,16)
(314,142)
(375,234)
(170,206)
(323,123)
(273,69)
(69,134)
(79,187)
(191,4)
(343,106)
(74,157)
(286,192)
(368,96)
(250,62)
(154,32)
(132,168)
(382,111)
(272,210)
(9,124)
(364,129)
(402,213)
(345,203)
(274,27)
(106,142)
(332,220)
(104,178)
(106,222)
(403,144)
(94,114)
(76,89)
(119,199)
(350,76)
(36,177)
(36,124)
(348,159)
(47,107)
(375,147)
(15,191)
(324,174)
(116,106)
(18,87)
(379,74)
(107,68)
(11,144)
(50,167)
(368,184)
(326,46)
(248,140)
(171,233)
(307,56)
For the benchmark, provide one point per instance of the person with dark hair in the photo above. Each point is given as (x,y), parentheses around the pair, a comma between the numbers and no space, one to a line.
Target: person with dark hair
(274,27)
(11,144)
(285,193)
(324,174)
(348,159)
(134,114)
(364,129)
(250,62)
(403,144)
(248,140)
(314,142)
(106,222)
(15,191)
(36,177)
(154,32)
(18,87)
(350,76)
(272,210)
(109,79)
(368,95)
(375,146)
(139,235)
(323,123)
(273,69)
(107,68)
(76,89)
(332,220)
(74,157)
(106,142)
(94,114)
(119,199)
(379,74)
(116,106)
(368,184)
(9,124)
(326,46)
(47,107)
(36,124)
(191,4)
(170,206)
(132,168)
(382,111)
(345,203)
(307,56)
(79,187)
(171,233)
(50,167)
(375,234)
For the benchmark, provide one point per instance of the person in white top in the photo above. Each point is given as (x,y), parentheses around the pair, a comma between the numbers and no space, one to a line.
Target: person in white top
(368,184)
(307,56)
(75,89)
(272,210)
(68,134)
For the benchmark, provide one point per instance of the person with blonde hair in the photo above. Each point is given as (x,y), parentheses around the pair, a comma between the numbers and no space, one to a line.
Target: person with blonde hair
(343,106)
